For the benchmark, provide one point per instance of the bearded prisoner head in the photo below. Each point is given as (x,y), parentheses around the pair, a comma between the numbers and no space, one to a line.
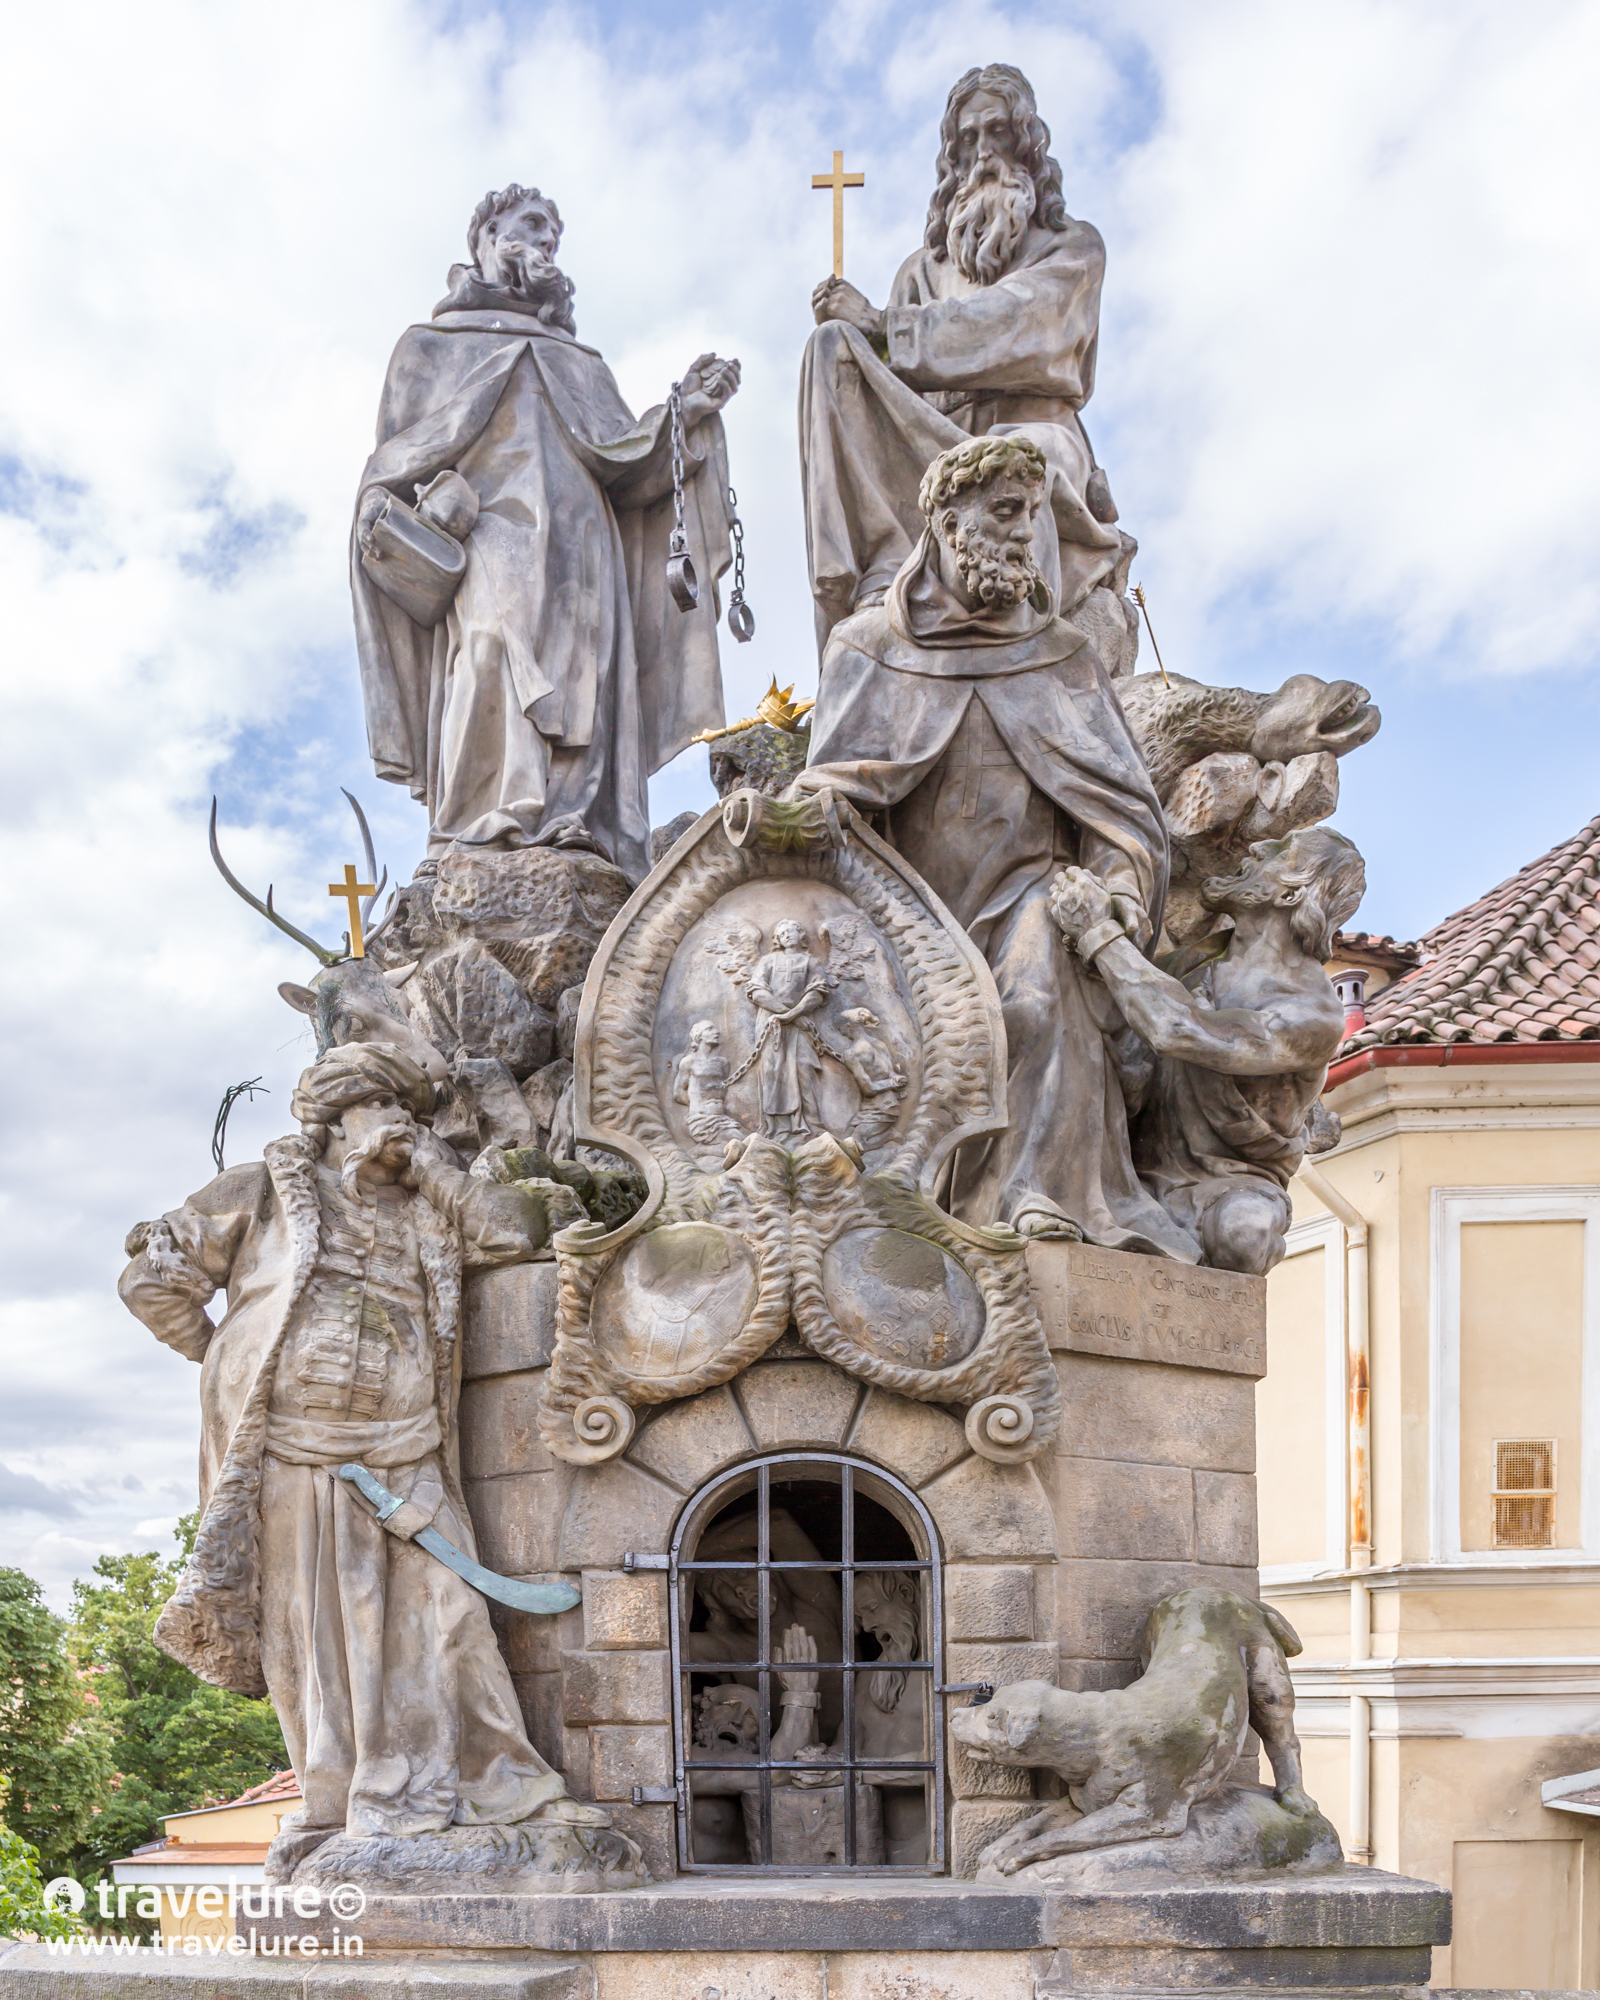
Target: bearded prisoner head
(982,499)
(512,239)
(995,174)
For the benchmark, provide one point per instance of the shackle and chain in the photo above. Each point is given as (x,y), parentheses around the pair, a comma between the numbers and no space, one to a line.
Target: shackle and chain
(682,582)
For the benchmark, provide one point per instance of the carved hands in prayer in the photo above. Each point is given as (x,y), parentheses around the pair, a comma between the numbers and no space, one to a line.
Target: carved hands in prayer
(710,383)
(796,1732)
(837,298)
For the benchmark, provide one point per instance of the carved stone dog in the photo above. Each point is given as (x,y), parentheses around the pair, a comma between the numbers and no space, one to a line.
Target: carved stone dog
(1135,1760)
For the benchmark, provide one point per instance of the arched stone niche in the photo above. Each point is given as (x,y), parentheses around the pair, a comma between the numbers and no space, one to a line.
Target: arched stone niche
(997,1538)
(1051,1566)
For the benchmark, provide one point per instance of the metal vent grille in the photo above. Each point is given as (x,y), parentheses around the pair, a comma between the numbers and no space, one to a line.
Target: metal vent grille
(1524,1493)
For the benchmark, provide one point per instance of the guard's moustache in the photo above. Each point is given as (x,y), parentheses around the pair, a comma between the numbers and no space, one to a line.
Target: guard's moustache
(370,1147)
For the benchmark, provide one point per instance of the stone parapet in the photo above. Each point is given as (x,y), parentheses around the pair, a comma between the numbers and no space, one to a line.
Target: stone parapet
(1356,1931)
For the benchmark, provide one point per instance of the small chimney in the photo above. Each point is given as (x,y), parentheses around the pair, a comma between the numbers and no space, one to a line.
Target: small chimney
(1351,987)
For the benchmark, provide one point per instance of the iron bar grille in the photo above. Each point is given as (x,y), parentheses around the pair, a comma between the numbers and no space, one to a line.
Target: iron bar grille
(1524,1493)
(849,1764)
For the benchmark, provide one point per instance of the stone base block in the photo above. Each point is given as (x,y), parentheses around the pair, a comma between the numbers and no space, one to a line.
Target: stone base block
(1352,1935)
(1244,1828)
(527,1860)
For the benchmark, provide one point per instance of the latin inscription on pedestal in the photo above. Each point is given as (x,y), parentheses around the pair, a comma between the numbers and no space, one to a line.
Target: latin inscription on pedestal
(1149,1308)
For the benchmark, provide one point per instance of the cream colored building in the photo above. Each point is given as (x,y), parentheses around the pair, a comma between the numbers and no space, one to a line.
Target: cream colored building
(1429,1429)
(204,1854)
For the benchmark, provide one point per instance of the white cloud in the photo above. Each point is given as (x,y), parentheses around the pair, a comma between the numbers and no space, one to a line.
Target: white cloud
(1346,378)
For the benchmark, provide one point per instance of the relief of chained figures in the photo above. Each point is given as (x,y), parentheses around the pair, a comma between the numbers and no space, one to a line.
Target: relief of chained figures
(790,1041)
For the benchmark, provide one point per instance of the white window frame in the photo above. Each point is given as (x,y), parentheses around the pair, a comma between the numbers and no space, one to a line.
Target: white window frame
(1325,1233)
(1450,1207)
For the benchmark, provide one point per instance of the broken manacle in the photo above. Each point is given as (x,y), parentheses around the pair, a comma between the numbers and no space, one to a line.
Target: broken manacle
(748,1363)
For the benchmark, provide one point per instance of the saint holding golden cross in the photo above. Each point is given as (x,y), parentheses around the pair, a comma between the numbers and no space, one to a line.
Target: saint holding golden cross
(838,180)
(352,891)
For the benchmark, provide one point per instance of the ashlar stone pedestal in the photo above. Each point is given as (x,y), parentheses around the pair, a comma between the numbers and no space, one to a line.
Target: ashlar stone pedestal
(1355,1933)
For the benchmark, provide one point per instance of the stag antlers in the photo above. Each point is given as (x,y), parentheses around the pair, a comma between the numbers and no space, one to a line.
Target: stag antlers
(282,923)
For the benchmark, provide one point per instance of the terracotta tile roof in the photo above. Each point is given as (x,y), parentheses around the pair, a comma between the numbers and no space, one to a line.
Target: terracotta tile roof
(1379,949)
(282,1785)
(1522,964)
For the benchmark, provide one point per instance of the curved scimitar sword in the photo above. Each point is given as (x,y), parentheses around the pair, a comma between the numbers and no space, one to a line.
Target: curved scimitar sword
(543,1599)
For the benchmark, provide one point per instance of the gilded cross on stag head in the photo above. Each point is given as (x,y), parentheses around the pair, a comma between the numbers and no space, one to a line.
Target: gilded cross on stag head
(838,180)
(352,891)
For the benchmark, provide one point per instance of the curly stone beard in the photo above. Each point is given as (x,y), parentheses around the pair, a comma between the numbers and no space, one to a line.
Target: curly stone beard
(998,574)
(988,218)
(525,274)
(1249,889)
(900,1626)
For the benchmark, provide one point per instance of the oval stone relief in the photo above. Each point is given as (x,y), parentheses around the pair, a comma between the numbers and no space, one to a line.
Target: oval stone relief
(902,1297)
(673,1299)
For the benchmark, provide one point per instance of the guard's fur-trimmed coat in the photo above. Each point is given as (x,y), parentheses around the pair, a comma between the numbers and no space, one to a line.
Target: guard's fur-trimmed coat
(255,1230)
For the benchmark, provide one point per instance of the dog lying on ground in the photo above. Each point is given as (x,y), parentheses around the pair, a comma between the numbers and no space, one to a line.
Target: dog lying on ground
(1135,1759)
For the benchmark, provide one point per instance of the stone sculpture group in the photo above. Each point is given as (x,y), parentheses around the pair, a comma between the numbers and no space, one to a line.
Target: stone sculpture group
(1022,946)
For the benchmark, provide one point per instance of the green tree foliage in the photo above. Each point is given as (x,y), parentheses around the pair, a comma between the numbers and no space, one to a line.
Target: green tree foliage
(55,1751)
(24,1913)
(176,1742)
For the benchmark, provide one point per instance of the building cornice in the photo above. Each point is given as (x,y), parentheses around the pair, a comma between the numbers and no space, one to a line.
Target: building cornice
(1565,1572)
(1487,1700)
(1514,1087)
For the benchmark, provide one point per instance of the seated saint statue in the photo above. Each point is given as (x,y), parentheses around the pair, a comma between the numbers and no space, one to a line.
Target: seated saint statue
(1242,1045)
(991,328)
(529,701)
(342,1253)
(982,727)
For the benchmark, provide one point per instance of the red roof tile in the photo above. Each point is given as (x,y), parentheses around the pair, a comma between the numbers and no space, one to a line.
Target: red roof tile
(1514,966)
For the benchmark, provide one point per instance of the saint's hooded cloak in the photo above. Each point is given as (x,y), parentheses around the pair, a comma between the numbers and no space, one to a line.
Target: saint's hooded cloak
(562,674)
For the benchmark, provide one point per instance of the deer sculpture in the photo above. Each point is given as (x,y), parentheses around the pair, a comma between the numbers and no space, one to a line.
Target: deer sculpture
(350,999)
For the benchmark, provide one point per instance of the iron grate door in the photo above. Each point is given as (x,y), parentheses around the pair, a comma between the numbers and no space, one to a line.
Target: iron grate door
(825,1809)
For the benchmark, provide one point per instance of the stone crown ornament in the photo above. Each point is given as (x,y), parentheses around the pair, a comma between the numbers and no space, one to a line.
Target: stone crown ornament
(788,1034)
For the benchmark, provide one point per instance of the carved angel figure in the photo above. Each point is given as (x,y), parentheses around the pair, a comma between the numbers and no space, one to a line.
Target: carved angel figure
(788,984)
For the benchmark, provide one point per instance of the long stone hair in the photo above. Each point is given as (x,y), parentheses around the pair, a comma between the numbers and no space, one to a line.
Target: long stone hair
(1031,136)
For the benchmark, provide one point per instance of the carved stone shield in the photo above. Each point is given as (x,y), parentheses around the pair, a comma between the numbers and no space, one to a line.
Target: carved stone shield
(790,1036)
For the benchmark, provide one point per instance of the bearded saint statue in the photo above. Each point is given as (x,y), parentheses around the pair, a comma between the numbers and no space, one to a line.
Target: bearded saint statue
(523,668)
(990,328)
(981,727)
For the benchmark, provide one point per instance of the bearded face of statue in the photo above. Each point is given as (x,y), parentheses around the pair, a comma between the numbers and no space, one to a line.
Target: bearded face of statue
(989,531)
(1266,872)
(990,211)
(517,249)
(886,1608)
(374,1139)
(726,1719)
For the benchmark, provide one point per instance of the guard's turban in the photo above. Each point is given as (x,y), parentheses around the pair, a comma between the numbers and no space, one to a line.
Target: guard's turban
(354,1072)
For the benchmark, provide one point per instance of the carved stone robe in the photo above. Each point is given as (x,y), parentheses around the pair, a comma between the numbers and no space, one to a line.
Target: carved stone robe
(562,674)
(964,360)
(994,748)
(338,1344)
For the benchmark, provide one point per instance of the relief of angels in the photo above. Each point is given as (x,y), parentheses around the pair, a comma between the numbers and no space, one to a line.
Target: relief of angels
(797,1035)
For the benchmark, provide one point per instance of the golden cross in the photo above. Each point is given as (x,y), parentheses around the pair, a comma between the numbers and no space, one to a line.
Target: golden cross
(838,180)
(352,891)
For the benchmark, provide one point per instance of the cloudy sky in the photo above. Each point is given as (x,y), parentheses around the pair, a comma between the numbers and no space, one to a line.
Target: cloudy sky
(1347,399)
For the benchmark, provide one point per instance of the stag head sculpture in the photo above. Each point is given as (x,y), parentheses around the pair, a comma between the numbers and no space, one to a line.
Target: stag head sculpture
(349,999)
